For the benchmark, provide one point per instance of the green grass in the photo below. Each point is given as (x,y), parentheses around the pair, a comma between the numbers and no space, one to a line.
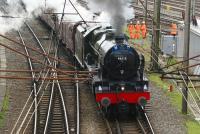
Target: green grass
(175,97)
(193,127)
(5,106)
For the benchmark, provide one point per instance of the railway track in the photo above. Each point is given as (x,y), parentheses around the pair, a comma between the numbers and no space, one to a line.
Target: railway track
(130,124)
(60,102)
(81,106)
(49,112)
(52,111)
(55,105)
(25,125)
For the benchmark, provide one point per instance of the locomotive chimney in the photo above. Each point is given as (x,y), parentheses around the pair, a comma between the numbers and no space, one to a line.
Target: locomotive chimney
(119,39)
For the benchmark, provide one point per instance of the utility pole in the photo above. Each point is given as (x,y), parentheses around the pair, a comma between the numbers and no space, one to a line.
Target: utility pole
(186,53)
(156,35)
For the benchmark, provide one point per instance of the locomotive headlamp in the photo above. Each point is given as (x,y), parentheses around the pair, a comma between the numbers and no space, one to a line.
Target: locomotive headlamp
(122,88)
(100,88)
(145,87)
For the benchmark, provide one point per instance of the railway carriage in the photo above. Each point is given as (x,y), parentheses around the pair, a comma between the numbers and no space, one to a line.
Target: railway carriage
(120,84)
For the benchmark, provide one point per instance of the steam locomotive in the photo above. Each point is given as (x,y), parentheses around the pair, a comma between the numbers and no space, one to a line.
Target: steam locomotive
(120,84)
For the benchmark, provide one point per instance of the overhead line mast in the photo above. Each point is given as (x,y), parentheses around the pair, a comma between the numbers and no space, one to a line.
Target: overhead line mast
(186,54)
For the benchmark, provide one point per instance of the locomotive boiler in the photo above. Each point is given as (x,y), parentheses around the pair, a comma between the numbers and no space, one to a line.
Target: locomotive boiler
(120,84)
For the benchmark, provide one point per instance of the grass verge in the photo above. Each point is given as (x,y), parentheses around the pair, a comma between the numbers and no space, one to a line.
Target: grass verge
(175,97)
(5,106)
(193,127)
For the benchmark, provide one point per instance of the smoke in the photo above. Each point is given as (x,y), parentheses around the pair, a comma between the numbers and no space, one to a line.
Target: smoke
(117,10)
(10,10)
(14,12)
(114,11)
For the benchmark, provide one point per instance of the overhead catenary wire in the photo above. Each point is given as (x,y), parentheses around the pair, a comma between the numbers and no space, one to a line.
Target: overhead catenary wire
(78,12)
(36,50)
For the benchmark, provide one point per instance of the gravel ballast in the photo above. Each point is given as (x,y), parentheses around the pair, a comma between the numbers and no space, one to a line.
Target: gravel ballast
(164,117)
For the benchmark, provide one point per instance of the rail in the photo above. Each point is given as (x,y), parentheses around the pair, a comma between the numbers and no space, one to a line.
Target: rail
(34,85)
(54,74)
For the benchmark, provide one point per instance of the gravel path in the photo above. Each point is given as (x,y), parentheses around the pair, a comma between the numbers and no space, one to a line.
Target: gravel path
(164,117)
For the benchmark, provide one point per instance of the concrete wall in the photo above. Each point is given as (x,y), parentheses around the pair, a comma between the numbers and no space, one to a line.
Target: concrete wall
(167,41)
(194,43)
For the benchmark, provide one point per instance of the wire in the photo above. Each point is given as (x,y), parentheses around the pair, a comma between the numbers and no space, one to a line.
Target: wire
(78,12)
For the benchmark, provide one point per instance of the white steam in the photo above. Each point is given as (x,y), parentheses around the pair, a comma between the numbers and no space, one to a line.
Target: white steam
(26,9)
(116,12)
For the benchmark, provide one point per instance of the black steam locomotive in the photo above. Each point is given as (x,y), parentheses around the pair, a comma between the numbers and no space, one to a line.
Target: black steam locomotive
(119,84)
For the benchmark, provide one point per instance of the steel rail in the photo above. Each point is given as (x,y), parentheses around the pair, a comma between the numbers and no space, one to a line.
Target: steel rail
(37,107)
(119,131)
(148,121)
(61,95)
(109,129)
(34,83)
(27,103)
(21,125)
(64,108)
(49,108)
(151,128)
(52,87)
(21,112)
(33,75)
(39,100)
(63,104)
(62,100)
(52,91)
(77,106)
(108,126)
(142,127)
(39,43)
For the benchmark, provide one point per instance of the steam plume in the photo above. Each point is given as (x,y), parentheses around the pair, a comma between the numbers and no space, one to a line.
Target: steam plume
(114,11)
(26,9)
(117,10)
